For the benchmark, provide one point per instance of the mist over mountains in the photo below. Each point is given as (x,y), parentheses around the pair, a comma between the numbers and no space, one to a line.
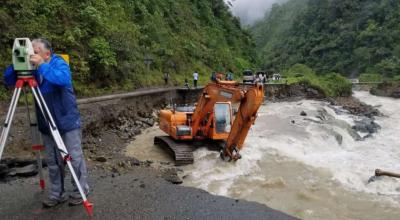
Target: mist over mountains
(250,11)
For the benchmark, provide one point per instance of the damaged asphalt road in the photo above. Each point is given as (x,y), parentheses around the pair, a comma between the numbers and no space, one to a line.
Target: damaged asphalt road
(137,194)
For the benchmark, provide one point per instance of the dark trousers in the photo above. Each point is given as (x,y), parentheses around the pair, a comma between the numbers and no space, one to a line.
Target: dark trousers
(195,83)
(72,141)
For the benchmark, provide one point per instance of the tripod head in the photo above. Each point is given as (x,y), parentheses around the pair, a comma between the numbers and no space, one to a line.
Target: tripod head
(21,52)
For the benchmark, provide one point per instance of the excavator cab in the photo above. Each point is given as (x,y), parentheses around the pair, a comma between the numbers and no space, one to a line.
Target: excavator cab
(222,120)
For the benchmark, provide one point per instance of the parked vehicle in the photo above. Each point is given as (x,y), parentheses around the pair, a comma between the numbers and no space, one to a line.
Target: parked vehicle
(248,76)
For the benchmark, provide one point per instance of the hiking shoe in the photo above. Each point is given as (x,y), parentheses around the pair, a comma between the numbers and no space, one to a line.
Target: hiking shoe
(75,201)
(51,202)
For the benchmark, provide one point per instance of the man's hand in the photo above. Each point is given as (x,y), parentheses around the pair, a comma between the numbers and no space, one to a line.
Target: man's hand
(36,59)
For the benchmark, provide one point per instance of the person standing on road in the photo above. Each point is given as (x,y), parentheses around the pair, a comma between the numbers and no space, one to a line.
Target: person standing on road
(166,78)
(260,78)
(195,78)
(230,75)
(213,77)
(54,78)
(220,76)
(186,85)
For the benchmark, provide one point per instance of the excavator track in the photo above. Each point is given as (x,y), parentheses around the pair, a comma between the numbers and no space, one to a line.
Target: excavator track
(181,152)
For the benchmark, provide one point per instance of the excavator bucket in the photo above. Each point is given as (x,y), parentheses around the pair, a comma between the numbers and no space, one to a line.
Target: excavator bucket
(180,151)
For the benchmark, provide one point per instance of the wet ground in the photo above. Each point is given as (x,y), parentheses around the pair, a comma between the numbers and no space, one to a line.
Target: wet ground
(137,194)
(121,187)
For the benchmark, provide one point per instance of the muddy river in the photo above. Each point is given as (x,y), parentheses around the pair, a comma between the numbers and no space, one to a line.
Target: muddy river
(312,167)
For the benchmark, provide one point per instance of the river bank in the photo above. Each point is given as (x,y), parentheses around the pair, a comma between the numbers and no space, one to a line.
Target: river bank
(110,127)
(313,165)
(387,89)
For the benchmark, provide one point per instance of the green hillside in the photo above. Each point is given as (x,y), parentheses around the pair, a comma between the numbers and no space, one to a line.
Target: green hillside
(109,41)
(346,36)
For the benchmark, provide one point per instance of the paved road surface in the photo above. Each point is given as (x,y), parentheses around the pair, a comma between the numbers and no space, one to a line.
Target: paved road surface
(138,194)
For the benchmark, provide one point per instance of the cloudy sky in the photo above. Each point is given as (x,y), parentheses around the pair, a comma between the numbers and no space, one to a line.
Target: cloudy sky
(250,11)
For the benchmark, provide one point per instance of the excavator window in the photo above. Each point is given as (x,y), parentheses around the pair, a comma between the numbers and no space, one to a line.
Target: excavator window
(222,114)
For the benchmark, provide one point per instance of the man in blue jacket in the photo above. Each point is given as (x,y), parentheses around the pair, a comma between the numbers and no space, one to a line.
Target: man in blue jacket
(54,78)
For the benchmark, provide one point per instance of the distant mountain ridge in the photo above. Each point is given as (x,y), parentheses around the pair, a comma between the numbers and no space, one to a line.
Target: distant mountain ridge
(345,36)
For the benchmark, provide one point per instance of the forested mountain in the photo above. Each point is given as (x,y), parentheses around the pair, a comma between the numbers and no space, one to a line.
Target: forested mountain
(345,36)
(130,43)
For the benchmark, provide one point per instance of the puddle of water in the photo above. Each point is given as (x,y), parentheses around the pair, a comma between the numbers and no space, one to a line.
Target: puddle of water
(143,147)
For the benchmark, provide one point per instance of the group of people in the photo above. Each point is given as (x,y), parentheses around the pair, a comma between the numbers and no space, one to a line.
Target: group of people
(263,77)
(228,76)
(195,79)
(214,77)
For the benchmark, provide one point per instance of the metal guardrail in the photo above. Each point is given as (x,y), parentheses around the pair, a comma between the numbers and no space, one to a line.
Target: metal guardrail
(133,94)
(125,95)
(366,83)
(356,81)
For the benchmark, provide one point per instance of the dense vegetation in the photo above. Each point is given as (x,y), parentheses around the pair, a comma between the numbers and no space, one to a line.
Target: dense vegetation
(124,44)
(332,84)
(350,37)
(368,77)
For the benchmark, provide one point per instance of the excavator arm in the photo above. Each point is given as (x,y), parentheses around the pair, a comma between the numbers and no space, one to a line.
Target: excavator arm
(245,117)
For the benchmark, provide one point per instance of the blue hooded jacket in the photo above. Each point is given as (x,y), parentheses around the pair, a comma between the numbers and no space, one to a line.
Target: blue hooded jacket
(54,79)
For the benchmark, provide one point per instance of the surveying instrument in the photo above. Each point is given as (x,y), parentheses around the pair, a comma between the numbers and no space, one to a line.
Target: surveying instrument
(23,68)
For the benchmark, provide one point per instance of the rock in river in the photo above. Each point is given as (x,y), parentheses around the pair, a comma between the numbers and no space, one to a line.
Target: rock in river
(366,125)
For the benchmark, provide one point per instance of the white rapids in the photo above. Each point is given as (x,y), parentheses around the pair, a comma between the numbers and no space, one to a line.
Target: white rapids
(311,166)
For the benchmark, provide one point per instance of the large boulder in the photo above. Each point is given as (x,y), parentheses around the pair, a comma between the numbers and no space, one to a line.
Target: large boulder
(366,125)
(26,171)
(396,93)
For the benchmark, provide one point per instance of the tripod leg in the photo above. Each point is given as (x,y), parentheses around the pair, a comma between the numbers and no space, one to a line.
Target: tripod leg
(39,160)
(35,138)
(61,146)
(9,118)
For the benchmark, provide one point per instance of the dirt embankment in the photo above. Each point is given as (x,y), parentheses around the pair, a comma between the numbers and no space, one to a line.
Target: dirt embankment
(281,92)
(387,89)
(349,103)
(302,91)
(108,127)
(356,107)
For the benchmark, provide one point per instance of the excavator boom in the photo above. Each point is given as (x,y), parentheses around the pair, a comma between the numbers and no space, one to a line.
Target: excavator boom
(245,117)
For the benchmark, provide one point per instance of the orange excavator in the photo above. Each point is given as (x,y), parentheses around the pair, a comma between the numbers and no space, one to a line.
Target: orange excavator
(212,119)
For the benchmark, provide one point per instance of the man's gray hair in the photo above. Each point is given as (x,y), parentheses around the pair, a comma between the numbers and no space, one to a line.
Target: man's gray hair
(46,44)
